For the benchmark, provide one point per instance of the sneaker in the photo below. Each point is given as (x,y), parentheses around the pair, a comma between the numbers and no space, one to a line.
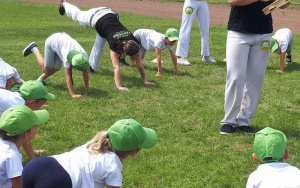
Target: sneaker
(123,62)
(226,129)
(91,70)
(288,59)
(61,8)
(246,129)
(183,61)
(45,83)
(28,49)
(155,61)
(208,59)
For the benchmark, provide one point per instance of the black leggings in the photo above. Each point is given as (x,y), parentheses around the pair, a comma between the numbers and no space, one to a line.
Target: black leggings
(45,172)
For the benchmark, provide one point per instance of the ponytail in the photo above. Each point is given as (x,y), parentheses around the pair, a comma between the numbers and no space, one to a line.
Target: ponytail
(100,143)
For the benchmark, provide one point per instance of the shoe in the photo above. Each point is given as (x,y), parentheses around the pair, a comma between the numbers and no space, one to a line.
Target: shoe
(28,49)
(155,61)
(91,70)
(123,62)
(45,83)
(61,8)
(246,129)
(226,129)
(208,59)
(288,59)
(183,61)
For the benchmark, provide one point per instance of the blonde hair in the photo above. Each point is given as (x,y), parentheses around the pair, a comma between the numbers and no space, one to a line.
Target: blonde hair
(100,143)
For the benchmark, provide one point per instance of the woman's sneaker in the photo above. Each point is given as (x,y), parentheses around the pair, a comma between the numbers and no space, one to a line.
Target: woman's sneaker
(226,129)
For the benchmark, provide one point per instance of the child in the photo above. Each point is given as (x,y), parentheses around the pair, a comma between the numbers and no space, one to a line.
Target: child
(9,76)
(281,43)
(151,40)
(17,126)
(60,49)
(32,94)
(270,151)
(94,164)
(108,27)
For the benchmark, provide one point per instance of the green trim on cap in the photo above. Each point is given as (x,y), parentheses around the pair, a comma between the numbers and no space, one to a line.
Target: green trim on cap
(33,89)
(19,119)
(78,60)
(269,145)
(128,134)
(172,34)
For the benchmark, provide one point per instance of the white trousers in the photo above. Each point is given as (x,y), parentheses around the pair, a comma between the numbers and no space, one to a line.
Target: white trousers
(200,9)
(247,58)
(84,18)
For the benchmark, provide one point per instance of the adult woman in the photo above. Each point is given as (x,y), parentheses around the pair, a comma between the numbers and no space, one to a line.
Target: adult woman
(120,40)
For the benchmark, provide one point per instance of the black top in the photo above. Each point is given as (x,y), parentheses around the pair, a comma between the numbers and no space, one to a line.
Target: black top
(109,27)
(250,19)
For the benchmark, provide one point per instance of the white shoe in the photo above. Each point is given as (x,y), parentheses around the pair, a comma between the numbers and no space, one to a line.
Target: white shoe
(155,61)
(183,61)
(208,59)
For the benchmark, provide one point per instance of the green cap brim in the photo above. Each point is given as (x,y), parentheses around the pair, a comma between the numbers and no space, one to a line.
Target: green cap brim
(150,140)
(274,45)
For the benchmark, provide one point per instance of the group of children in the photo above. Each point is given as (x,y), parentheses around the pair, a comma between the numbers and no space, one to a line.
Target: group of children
(98,163)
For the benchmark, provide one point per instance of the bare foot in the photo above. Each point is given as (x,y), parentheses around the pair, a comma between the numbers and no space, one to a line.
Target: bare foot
(279,71)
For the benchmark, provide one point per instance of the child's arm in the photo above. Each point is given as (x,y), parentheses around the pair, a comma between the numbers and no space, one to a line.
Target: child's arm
(85,75)
(16,182)
(28,149)
(174,59)
(70,83)
(158,57)
(282,56)
(140,66)
(117,70)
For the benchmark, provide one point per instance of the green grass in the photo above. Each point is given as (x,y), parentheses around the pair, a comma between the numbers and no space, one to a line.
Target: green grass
(184,109)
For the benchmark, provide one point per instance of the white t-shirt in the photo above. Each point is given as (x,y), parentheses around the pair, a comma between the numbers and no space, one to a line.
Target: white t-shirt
(6,72)
(273,175)
(10,163)
(9,99)
(87,170)
(62,45)
(150,39)
(284,38)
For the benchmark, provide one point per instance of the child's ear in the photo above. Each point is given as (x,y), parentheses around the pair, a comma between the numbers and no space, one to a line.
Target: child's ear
(255,158)
(286,154)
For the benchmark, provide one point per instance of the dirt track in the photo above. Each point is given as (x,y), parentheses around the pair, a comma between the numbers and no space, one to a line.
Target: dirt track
(219,14)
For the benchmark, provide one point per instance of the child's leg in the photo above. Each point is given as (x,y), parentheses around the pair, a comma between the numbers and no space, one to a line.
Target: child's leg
(97,51)
(81,17)
(39,59)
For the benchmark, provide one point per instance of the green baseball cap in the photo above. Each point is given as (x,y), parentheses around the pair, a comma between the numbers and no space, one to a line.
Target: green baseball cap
(128,134)
(33,89)
(172,34)
(78,60)
(269,145)
(274,45)
(19,119)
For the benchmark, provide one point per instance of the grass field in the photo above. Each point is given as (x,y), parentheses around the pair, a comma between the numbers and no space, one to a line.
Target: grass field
(184,109)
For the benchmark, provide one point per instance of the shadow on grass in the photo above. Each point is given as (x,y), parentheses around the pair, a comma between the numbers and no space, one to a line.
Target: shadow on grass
(294,66)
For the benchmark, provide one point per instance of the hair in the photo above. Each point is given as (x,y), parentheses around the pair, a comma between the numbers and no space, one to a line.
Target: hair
(5,136)
(101,144)
(129,47)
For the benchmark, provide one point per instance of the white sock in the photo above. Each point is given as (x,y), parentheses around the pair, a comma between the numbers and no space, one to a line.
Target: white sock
(35,50)
(40,79)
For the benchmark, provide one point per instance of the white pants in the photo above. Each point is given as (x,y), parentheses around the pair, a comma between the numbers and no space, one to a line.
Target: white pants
(52,60)
(200,9)
(247,58)
(85,18)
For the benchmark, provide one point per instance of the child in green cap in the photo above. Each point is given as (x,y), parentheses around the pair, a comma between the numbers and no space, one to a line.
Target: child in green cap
(270,151)
(17,126)
(61,49)
(95,164)
(154,41)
